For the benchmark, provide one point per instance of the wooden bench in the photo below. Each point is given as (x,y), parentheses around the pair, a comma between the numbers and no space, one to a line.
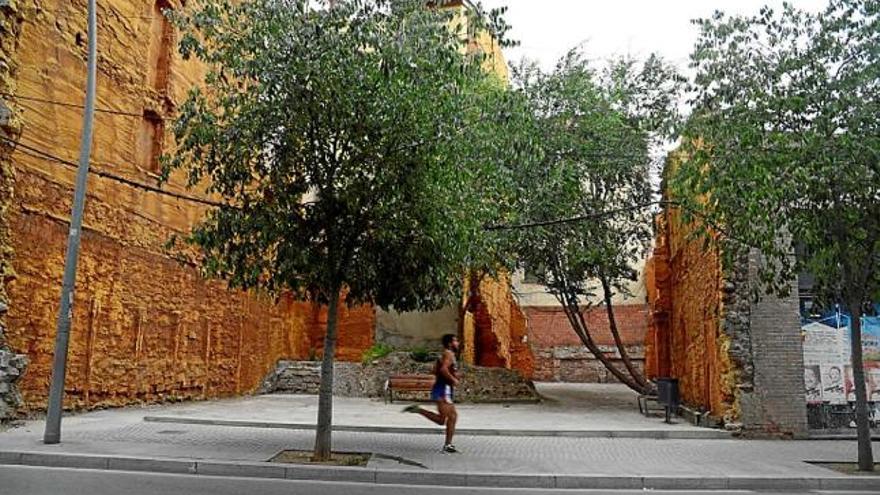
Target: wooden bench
(644,406)
(407,383)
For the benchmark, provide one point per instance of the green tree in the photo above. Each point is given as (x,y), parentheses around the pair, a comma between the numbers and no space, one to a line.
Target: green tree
(339,137)
(782,151)
(586,151)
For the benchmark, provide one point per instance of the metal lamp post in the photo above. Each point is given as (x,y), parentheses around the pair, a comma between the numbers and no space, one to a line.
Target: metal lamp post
(52,434)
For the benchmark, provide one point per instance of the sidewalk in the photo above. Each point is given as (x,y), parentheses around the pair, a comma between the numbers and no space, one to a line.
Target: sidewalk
(570,410)
(121,439)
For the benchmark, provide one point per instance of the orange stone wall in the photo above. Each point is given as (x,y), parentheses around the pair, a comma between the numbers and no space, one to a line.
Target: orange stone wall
(146,328)
(498,332)
(684,339)
(495,329)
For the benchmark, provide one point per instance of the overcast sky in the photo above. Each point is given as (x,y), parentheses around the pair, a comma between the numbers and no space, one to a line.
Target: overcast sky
(549,28)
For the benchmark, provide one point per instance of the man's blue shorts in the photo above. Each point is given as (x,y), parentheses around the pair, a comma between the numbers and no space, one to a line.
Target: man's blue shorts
(441,392)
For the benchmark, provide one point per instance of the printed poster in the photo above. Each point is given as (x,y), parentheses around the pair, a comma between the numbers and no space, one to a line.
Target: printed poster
(870,359)
(823,363)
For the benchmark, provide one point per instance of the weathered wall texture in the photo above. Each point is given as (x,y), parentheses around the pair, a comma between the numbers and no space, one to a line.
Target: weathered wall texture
(415,329)
(774,402)
(355,331)
(12,364)
(561,356)
(146,328)
(495,328)
(735,358)
(538,341)
(692,289)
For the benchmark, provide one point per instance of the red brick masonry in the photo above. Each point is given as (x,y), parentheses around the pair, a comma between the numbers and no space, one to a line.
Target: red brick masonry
(561,356)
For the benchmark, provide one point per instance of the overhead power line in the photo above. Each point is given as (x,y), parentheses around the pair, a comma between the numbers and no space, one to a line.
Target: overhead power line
(72,105)
(579,218)
(44,155)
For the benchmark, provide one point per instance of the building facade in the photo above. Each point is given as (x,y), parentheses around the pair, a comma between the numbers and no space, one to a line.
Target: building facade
(146,327)
(738,358)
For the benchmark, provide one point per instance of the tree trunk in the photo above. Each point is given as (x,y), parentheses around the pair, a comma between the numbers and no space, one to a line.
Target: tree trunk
(569,302)
(575,318)
(323,436)
(863,429)
(612,324)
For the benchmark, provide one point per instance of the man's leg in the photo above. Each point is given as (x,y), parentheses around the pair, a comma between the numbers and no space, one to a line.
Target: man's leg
(447,410)
(432,416)
(435,417)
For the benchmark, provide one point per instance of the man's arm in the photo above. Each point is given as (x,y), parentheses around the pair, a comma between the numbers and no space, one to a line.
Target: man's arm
(444,370)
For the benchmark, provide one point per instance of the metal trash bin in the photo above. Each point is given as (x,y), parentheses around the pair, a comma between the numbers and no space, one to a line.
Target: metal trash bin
(667,394)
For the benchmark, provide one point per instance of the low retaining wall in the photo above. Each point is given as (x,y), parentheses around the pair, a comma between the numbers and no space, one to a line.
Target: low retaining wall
(478,384)
(578,365)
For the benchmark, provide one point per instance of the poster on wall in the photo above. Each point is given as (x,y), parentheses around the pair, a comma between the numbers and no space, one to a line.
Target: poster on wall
(870,359)
(833,384)
(823,363)
(871,356)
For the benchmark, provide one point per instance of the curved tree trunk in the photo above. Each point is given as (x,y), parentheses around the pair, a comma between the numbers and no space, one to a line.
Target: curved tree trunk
(863,429)
(572,311)
(612,324)
(323,436)
(576,319)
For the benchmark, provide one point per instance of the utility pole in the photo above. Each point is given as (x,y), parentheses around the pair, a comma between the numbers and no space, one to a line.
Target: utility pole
(52,434)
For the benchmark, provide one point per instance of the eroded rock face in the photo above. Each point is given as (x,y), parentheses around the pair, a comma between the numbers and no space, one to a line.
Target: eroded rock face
(12,368)
(12,365)
(146,327)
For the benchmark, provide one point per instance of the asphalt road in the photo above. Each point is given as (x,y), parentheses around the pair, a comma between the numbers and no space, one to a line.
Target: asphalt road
(29,480)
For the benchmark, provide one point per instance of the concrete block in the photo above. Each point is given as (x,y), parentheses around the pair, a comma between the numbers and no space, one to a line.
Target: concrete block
(599,482)
(241,470)
(852,483)
(650,434)
(684,483)
(322,473)
(64,460)
(152,465)
(511,480)
(393,477)
(772,483)
(10,457)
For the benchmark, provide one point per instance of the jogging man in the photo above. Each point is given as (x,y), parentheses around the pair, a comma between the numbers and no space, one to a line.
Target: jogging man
(446,379)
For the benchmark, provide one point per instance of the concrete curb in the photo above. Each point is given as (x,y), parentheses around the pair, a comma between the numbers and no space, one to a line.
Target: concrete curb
(840,436)
(476,432)
(434,478)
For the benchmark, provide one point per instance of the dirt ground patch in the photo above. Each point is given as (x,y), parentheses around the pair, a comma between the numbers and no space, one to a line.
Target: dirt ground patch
(848,468)
(353,459)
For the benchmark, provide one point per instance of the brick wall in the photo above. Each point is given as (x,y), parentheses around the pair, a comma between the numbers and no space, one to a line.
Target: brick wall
(561,356)
(146,328)
(549,327)
(686,339)
(494,327)
(776,403)
(738,359)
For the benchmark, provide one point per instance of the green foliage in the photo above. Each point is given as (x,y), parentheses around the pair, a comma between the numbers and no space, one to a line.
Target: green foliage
(353,146)
(422,355)
(352,143)
(376,351)
(783,152)
(783,148)
(586,150)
